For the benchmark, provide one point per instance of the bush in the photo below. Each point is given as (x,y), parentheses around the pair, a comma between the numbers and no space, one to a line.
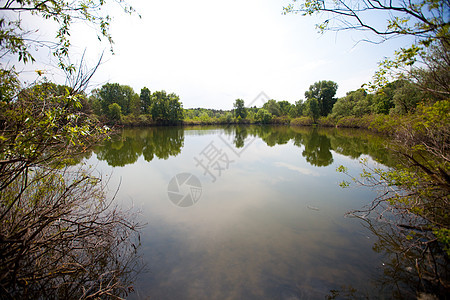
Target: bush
(282,120)
(302,121)
(263,116)
(133,120)
(60,237)
(327,121)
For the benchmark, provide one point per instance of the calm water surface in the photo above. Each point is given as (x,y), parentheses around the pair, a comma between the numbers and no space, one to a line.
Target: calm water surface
(265,220)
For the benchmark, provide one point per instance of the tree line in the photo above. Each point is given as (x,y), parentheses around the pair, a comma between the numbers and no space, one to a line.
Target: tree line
(119,104)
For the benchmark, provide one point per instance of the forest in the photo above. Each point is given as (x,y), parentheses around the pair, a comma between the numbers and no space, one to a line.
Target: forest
(118,104)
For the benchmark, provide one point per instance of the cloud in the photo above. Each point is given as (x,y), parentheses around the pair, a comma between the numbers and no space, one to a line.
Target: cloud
(303,171)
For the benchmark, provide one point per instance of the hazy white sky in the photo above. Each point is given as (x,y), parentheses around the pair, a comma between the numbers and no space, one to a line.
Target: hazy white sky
(212,52)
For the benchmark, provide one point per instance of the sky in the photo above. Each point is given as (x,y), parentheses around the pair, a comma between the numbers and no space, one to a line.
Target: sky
(212,52)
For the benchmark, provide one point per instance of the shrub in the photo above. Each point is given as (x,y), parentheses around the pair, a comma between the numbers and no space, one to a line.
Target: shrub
(302,121)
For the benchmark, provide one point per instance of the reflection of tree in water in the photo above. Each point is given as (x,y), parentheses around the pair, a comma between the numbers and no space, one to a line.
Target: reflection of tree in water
(241,134)
(127,147)
(410,269)
(274,135)
(354,143)
(410,266)
(317,149)
(164,142)
(318,143)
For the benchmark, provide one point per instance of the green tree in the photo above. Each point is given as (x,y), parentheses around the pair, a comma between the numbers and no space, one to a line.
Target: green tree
(355,103)
(407,97)
(285,107)
(324,92)
(273,107)
(239,109)
(312,109)
(95,102)
(383,99)
(111,93)
(114,112)
(263,116)
(123,95)
(297,109)
(145,98)
(166,108)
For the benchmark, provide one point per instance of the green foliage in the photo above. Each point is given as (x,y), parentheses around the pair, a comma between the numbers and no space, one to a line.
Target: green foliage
(281,120)
(263,116)
(166,108)
(296,110)
(240,110)
(285,107)
(145,98)
(136,120)
(123,95)
(353,122)
(406,98)
(273,107)
(312,109)
(94,102)
(328,121)
(353,104)
(443,236)
(302,121)
(399,97)
(323,92)
(194,116)
(9,85)
(115,112)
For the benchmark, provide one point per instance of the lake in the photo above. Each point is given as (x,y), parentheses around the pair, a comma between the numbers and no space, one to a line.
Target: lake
(248,212)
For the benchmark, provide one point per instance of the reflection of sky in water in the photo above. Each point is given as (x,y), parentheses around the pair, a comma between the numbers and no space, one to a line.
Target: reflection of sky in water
(272,226)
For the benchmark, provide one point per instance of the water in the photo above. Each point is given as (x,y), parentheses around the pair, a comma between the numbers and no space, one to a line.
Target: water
(265,219)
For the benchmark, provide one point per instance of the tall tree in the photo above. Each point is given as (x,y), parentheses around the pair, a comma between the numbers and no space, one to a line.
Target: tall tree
(273,107)
(297,109)
(355,103)
(312,109)
(285,107)
(324,92)
(145,98)
(239,109)
(166,108)
(123,95)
